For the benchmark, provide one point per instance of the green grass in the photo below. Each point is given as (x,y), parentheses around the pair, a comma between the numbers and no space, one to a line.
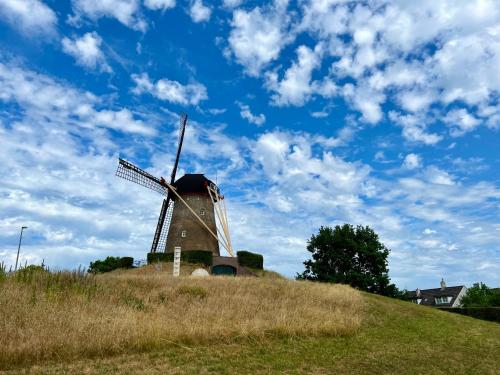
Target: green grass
(395,338)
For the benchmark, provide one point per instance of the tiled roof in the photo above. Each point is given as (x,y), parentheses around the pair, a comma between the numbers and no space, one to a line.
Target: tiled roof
(429,295)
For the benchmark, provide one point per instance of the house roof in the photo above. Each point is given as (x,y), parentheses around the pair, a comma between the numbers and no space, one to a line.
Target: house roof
(429,295)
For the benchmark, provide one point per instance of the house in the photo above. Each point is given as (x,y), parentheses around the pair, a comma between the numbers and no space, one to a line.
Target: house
(443,296)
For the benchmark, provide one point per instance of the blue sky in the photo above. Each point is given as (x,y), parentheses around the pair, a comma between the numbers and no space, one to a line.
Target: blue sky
(310,113)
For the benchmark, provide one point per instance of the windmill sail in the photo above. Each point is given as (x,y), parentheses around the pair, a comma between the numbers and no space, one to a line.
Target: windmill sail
(130,172)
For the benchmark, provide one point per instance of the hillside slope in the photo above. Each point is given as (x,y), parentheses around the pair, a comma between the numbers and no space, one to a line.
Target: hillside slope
(275,326)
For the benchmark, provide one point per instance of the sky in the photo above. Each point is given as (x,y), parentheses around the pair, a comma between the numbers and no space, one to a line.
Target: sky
(307,113)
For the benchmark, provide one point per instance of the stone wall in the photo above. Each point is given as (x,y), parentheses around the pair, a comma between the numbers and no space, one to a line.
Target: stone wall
(197,237)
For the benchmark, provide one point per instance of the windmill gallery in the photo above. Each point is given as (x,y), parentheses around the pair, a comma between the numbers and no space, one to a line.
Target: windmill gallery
(193,217)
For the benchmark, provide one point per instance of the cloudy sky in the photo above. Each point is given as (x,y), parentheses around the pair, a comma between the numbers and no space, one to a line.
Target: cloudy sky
(308,113)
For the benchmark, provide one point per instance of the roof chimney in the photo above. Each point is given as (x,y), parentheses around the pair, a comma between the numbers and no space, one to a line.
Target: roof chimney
(443,284)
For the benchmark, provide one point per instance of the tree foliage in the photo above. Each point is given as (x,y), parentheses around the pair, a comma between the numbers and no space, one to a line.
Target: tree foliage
(110,264)
(480,295)
(349,255)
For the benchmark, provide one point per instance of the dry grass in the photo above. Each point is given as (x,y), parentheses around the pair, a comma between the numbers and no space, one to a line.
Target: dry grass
(68,316)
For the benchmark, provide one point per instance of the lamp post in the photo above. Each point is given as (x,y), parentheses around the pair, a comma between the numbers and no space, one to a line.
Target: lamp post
(19,247)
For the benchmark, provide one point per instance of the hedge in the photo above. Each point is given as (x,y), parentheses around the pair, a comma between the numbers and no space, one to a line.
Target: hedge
(252,260)
(110,264)
(191,256)
(484,313)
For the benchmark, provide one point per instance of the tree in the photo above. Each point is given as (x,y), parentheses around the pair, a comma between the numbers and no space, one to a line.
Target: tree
(479,295)
(349,255)
(109,264)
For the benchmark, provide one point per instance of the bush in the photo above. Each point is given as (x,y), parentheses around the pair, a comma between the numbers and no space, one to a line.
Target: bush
(110,264)
(191,256)
(480,295)
(252,260)
(127,262)
(484,313)
(160,257)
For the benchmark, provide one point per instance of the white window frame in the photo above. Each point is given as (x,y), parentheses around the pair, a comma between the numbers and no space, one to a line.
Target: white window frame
(442,300)
(184,234)
(202,212)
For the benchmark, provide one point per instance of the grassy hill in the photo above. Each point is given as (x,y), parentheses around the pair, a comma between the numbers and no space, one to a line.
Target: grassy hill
(144,321)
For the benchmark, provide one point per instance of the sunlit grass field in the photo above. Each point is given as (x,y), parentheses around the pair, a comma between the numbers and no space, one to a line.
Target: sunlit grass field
(67,316)
(145,321)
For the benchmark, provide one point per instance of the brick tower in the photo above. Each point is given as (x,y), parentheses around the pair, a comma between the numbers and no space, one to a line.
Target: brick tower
(185,230)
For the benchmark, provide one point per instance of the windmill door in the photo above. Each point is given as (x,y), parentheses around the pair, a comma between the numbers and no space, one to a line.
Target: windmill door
(223,269)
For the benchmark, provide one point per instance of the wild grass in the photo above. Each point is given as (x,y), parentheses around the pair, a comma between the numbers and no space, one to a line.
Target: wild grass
(66,316)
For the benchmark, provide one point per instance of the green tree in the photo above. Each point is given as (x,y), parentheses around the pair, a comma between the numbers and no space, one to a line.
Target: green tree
(110,264)
(349,255)
(480,295)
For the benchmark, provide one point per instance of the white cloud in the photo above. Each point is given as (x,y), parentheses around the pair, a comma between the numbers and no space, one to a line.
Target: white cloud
(319,114)
(247,114)
(415,101)
(42,97)
(217,111)
(30,16)
(386,57)
(366,100)
(199,12)
(232,3)
(257,36)
(87,51)
(172,91)
(415,128)
(461,122)
(159,4)
(412,161)
(437,176)
(126,12)
(295,87)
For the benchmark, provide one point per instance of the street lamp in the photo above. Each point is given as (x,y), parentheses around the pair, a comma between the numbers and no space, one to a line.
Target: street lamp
(19,247)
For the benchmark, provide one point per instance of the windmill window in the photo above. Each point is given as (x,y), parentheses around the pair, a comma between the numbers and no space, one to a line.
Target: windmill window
(184,233)
(202,212)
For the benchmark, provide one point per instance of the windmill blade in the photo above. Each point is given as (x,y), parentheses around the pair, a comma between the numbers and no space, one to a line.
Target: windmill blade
(161,233)
(130,172)
(182,129)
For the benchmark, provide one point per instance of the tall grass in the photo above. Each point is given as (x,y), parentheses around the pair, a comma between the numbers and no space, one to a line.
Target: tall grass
(68,315)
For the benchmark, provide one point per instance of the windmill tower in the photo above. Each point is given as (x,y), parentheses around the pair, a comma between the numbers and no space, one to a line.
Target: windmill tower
(189,213)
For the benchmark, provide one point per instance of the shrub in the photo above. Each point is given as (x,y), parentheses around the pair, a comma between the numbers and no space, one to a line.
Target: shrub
(484,313)
(159,257)
(480,295)
(252,260)
(110,264)
(198,256)
(127,262)
(191,256)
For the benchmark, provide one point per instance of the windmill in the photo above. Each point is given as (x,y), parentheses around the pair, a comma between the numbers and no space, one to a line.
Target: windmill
(190,211)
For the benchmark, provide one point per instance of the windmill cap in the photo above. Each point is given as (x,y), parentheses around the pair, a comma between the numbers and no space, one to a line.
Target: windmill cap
(192,183)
